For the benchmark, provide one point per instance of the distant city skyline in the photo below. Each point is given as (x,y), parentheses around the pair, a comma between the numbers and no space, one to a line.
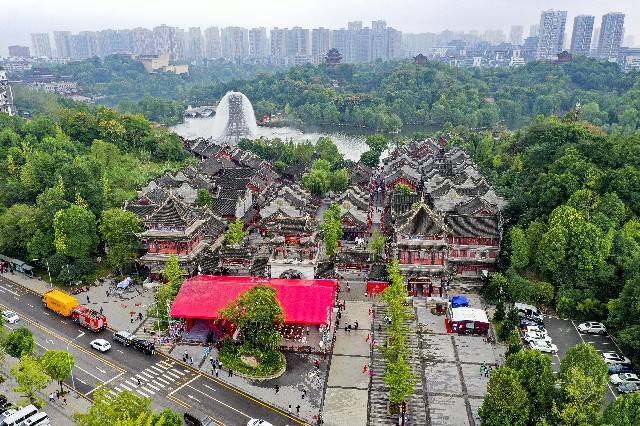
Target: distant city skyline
(415,16)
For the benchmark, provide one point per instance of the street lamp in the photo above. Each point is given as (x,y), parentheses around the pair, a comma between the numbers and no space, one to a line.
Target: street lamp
(48,271)
(73,382)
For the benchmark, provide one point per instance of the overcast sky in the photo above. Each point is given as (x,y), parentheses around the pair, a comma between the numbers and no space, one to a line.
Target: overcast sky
(19,18)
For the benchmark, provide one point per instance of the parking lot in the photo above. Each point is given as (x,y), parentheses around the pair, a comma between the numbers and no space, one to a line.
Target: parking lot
(565,335)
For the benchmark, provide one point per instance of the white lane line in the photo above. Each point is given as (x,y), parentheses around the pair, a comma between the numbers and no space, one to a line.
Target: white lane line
(147,374)
(194,398)
(180,372)
(30,305)
(104,384)
(172,374)
(142,393)
(113,393)
(10,291)
(131,382)
(119,351)
(209,387)
(218,401)
(159,370)
(82,369)
(181,386)
(152,386)
(82,381)
(101,370)
(144,388)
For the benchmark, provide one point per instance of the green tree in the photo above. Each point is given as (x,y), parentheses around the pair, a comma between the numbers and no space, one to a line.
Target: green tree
(332,229)
(19,342)
(339,180)
(402,188)
(235,233)
(110,411)
(377,143)
(376,246)
(58,365)
(257,314)
(536,377)
(506,401)
(75,232)
(30,377)
(18,225)
(519,248)
(203,198)
(629,341)
(173,273)
(118,229)
(400,380)
(624,411)
(370,158)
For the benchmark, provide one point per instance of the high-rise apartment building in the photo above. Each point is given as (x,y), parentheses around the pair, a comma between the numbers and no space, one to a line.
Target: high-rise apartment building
(534,30)
(551,33)
(107,42)
(234,42)
(41,44)
(320,42)
(142,41)
(581,35)
(361,45)
(84,45)
(195,44)
(278,42)
(394,44)
(611,34)
(379,48)
(515,35)
(165,41)
(354,25)
(340,42)
(258,43)
(212,46)
(19,51)
(6,95)
(298,42)
(62,40)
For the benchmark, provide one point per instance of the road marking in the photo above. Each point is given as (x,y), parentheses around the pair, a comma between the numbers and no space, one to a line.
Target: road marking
(104,384)
(163,380)
(179,402)
(209,387)
(194,398)
(152,386)
(101,370)
(30,305)
(157,369)
(172,374)
(147,374)
(183,385)
(148,390)
(119,351)
(131,382)
(125,387)
(10,291)
(82,369)
(142,393)
(220,402)
(83,382)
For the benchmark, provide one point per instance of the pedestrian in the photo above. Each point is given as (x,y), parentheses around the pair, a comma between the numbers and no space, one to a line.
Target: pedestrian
(139,383)
(356,325)
(349,328)
(144,329)
(365,368)
(51,398)
(339,314)
(298,409)
(379,327)
(290,410)
(345,327)
(64,400)
(277,389)
(100,310)
(482,370)
(230,373)
(131,320)
(190,360)
(211,360)
(307,330)
(367,338)
(348,288)
(304,393)
(217,372)
(317,363)
(88,301)
(487,370)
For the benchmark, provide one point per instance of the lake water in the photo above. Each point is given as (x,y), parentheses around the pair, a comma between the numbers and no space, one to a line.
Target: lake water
(351,146)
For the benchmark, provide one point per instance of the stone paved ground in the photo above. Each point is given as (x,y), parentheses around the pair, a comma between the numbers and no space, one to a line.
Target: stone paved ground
(451,366)
(346,395)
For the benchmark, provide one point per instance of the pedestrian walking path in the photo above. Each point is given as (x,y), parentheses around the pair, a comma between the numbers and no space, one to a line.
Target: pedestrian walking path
(346,394)
(379,392)
(158,378)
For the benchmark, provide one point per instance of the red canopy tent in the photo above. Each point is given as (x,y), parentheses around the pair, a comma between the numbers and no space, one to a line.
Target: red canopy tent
(302,301)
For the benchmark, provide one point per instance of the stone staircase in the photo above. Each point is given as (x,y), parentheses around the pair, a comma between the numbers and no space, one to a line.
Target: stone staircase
(379,391)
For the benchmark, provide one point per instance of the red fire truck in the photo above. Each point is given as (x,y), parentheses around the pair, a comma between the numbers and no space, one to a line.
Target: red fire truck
(88,318)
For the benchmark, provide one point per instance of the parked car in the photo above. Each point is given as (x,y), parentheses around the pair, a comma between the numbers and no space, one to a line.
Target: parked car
(123,337)
(615,358)
(100,345)
(258,422)
(536,335)
(10,317)
(543,346)
(592,327)
(529,312)
(525,322)
(618,379)
(628,387)
(191,420)
(620,368)
(144,346)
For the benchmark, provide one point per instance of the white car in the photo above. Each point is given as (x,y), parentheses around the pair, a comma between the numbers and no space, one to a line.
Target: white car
(258,422)
(100,345)
(10,317)
(618,379)
(536,335)
(614,358)
(592,327)
(535,329)
(543,346)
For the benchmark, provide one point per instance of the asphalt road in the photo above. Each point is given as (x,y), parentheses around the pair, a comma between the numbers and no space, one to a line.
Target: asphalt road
(168,382)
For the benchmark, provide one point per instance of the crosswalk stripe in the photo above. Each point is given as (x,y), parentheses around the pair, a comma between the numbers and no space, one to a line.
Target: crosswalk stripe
(148,390)
(173,374)
(142,393)
(180,372)
(163,380)
(165,364)
(131,382)
(157,369)
(152,386)
(147,374)
(125,387)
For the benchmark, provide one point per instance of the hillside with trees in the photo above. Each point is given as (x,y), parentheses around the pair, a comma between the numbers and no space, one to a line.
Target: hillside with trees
(64,178)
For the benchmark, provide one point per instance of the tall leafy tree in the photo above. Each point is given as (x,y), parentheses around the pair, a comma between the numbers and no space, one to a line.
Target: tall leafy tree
(332,229)
(58,365)
(624,411)
(30,377)
(519,248)
(19,342)
(235,233)
(118,229)
(75,232)
(536,377)
(376,246)
(506,401)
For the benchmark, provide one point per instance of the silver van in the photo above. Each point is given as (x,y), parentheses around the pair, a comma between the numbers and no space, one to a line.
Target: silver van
(19,416)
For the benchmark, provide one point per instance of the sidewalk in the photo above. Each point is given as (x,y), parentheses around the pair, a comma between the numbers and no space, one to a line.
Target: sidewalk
(347,394)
